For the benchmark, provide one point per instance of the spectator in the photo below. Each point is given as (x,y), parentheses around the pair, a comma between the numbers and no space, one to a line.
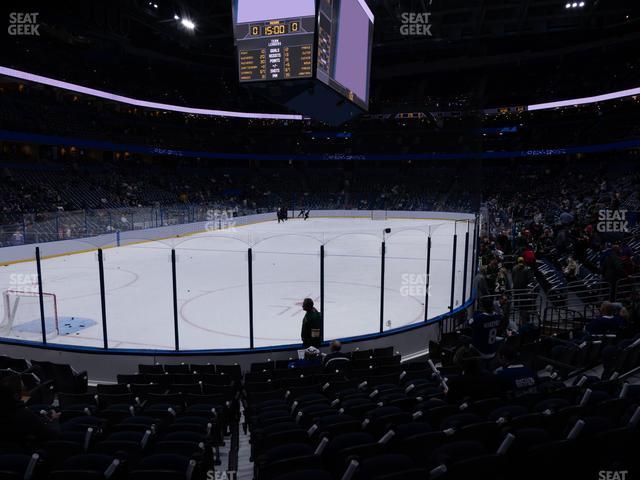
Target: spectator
(513,375)
(502,281)
(311,333)
(482,285)
(607,323)
(335,356)
(474,381)
(571,270)
(19,424)
(612,269)
(529,256)
(485,326)
(521,275)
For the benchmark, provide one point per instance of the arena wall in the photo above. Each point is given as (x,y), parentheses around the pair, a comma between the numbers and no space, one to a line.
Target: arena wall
(25,253)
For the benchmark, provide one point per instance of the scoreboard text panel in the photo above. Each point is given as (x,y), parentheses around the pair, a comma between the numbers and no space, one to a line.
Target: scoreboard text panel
(276,49)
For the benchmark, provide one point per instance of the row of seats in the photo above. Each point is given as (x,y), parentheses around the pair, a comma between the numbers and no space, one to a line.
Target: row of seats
(295,432)
(108,436)
(396,422)
(234,371)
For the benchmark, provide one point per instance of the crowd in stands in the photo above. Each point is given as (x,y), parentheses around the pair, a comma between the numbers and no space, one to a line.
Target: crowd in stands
(559,217)
(83,183)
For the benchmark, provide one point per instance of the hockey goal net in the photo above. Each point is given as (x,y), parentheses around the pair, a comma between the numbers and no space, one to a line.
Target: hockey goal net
(378,214)
(21,313)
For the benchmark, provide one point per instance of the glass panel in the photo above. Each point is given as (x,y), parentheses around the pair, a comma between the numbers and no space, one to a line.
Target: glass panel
(139,295)
(213,292)
(286,270)
(352,285)
(440,277)
(461,228)
(72,282)
(405,278)
(471,266)
(20,306)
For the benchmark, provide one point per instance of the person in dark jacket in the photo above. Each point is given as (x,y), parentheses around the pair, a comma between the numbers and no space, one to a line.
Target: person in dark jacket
(607,323)
(474,382)
(513,375)
(612,269)
(521,275)
(335,356)
(486,326)
(482,285)
(21,425)
(311,333)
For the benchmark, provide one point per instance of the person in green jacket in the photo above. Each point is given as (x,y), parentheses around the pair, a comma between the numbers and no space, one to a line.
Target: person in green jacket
(311,325)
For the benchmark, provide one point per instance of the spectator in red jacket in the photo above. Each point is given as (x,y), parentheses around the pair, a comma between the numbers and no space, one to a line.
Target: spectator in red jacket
(529,256)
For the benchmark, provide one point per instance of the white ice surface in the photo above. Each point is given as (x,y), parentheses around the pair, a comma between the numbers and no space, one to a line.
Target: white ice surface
(212,279)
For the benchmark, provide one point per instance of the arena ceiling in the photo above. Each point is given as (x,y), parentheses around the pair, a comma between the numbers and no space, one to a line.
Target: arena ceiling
(422,41)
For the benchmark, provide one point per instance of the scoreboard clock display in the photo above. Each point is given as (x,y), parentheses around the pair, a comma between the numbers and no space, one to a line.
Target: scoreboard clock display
(275,39)
(276,27)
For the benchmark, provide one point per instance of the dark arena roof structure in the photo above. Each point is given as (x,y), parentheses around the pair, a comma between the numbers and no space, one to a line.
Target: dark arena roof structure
(319,239)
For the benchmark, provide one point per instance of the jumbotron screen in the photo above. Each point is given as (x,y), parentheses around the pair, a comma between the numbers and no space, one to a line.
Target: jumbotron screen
(345,35)
(275,39)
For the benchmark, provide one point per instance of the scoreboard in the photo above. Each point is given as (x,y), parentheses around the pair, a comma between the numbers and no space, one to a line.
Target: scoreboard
(274,48)
(307,54)
(345,34)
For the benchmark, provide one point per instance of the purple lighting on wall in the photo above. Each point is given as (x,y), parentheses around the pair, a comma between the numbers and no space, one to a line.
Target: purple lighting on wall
(30,77)
(585,100)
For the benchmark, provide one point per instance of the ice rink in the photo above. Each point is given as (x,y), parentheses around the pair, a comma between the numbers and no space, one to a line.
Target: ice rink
(213,291)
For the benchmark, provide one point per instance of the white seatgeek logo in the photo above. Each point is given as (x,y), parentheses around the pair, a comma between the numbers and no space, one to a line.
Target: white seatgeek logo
(414,285)
(24,24)
(220,220)
(612,475)
(24,282)
(612,221)
(415,24)
(222,475)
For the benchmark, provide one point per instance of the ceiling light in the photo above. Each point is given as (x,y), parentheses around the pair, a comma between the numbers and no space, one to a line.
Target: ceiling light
(188,24)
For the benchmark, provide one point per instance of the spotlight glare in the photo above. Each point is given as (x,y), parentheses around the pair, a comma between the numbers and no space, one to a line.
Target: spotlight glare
(574,5)
(568,5)
(581,4)
(188,24)
(176,17)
